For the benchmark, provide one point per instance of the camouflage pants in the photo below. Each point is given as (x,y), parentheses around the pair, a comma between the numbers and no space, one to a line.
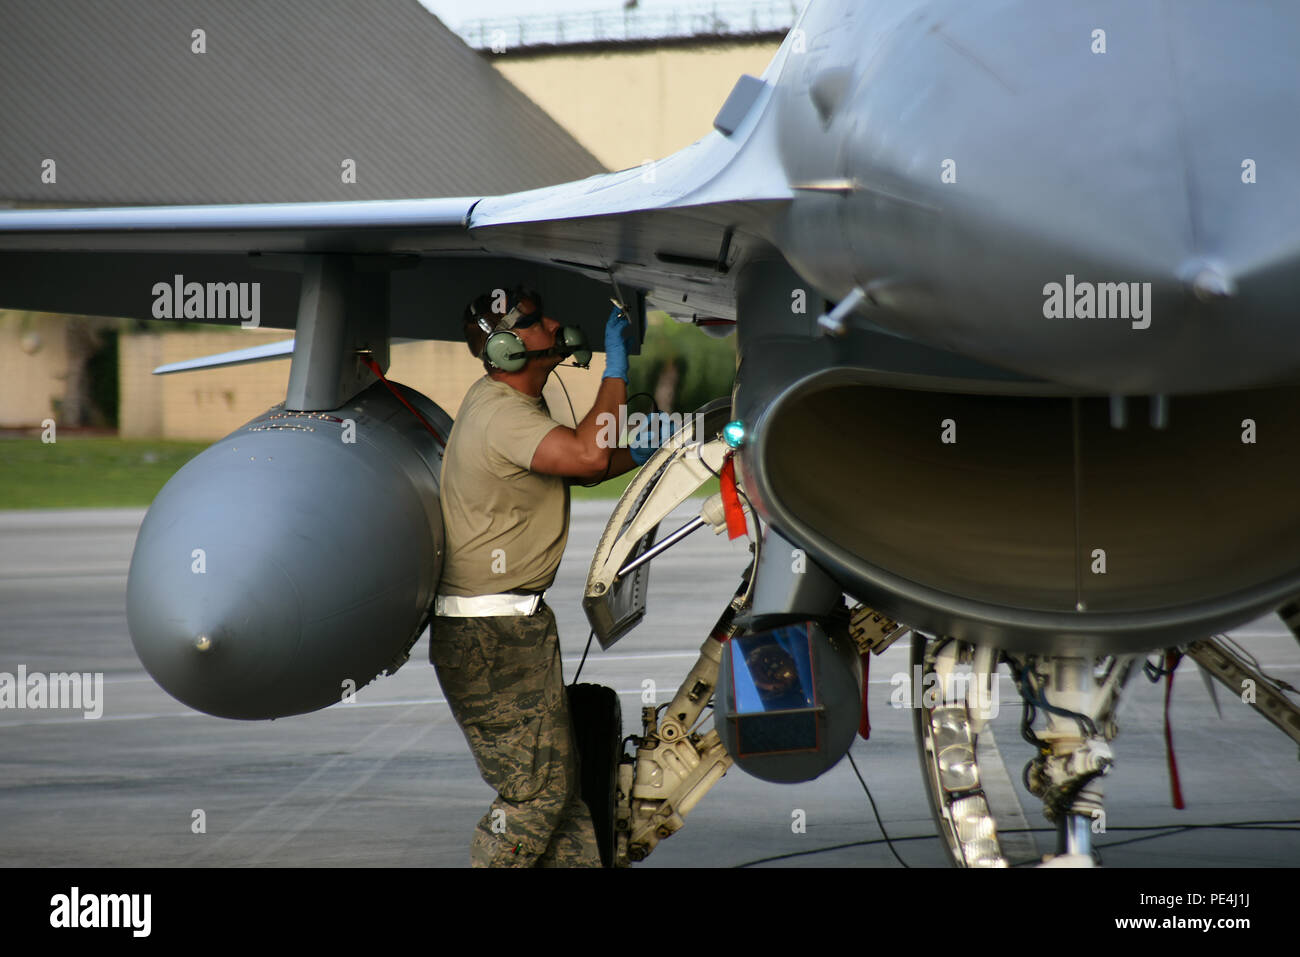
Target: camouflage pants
(502,679)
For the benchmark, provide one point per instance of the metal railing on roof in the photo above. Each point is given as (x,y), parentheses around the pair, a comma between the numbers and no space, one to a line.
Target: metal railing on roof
(726,19)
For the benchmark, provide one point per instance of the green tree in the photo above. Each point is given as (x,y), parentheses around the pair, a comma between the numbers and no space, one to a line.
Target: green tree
(682,366)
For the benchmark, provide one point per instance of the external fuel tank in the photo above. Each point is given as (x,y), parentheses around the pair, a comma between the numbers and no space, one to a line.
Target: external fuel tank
(293,561)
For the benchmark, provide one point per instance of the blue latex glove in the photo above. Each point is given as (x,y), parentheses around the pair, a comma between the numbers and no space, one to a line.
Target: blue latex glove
(658,429)
(615,346)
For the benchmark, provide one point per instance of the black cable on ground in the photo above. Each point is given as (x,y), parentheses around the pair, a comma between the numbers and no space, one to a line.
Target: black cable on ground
(837,847)
(879,823)
(584,656)
(1169,829)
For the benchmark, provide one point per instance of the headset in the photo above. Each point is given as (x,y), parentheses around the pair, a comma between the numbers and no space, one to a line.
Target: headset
(504,350)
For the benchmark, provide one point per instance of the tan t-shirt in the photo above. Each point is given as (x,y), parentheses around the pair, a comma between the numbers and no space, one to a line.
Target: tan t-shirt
(505,525)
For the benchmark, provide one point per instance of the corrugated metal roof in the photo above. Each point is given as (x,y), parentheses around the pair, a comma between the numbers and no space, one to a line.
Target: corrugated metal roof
(285,92)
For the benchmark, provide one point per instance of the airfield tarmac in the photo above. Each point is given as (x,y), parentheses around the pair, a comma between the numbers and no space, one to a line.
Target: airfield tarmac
(390,781)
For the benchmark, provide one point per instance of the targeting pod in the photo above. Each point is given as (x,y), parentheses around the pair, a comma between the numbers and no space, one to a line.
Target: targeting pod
(789,701)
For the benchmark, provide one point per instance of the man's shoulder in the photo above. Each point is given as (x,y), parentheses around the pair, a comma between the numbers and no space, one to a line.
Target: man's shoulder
(492,400)
(507,423)
(479,390)
(483,400)
(489,393)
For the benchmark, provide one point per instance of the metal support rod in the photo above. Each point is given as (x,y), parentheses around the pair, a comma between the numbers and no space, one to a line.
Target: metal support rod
(1160,412)
(1075,835)
(658,548)
(1238,675)
(835,322)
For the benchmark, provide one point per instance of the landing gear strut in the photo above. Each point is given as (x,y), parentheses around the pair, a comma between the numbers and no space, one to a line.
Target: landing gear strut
(1077,699)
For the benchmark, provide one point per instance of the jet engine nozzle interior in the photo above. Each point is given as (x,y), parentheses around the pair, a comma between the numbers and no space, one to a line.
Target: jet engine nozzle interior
(1035,517)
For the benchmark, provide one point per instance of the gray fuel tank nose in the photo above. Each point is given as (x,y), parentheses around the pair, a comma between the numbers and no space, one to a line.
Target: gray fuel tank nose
(217,629)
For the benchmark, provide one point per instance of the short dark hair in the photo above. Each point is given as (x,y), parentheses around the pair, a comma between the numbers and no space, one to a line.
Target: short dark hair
(475,337)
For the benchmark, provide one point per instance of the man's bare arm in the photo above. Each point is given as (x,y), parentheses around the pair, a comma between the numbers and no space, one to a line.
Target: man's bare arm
(588,452)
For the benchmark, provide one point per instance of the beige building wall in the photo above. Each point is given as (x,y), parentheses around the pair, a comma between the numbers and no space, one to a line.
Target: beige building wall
(139,392)
(33,366)
(208,404)
(631,105)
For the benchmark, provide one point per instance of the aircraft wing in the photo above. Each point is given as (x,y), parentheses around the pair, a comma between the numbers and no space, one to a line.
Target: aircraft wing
(674,229)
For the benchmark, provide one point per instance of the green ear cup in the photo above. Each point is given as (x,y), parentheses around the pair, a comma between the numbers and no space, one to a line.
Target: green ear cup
(502,350)
(575,341)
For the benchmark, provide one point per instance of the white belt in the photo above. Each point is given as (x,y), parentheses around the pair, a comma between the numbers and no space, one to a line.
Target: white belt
(485,606)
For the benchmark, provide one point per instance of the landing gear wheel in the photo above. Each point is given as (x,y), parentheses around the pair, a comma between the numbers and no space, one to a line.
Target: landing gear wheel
(597,719)
(949,768)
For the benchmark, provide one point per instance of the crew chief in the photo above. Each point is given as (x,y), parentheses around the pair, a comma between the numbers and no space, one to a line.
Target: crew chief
(505,510)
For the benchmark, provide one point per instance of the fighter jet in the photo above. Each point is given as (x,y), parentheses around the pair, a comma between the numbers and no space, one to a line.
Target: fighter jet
(1012,284)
